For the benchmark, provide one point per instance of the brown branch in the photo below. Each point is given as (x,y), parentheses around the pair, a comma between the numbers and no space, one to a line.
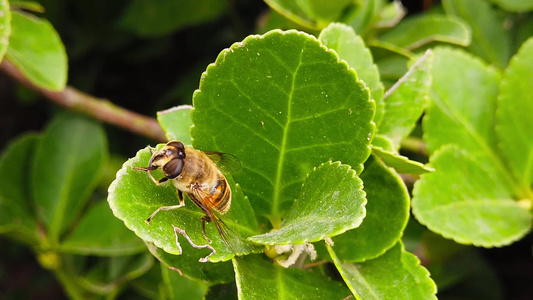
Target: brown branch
(100,109)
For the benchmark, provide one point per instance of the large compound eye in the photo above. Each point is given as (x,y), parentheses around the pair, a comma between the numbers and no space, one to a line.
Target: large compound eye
(179,147)
(173,168)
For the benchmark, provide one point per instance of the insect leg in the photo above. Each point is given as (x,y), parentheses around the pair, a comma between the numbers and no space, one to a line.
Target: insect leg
(204,220)
(171,207)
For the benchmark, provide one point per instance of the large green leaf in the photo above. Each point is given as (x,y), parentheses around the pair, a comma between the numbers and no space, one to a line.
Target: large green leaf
(387,212)
(259,279)
(464,200)
(490,39)
(397,274)
(514,121)
(351,48)
(283,104)
(177,123)
(188,264)
(417,31)
(36,50)
(164,17)
(100,233)
(406,100)
(106,276)
(314,14)
(133,197)
(5,27)
(67,164)
(462,109)
(332,201)
(16,215)
(180,287)
(514,5)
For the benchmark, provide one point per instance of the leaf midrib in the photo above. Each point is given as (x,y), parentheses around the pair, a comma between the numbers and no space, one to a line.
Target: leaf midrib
(455,115)
(277,185)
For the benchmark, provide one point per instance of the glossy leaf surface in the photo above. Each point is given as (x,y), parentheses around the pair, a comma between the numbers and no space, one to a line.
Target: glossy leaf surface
(514,122)
(405,101)
(276,282)
(463,108)
(461,202)
(387,212)
(187,263)
(331,202)
(180,287)
(36,50)
(283,105)
(351,48)
(397,274)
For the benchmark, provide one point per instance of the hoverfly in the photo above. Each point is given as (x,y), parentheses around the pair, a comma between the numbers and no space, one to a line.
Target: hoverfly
(198,174)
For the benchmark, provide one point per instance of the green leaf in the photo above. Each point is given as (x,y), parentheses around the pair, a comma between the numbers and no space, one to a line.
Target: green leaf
(5,27)
(462,109)
(391,14)
(180,287)
(100,233)
(514,5)
(387,213)
(351,48)
(36,50)
(189,266)
(406,100)
(490,39)
(16,216)
(514,122)
(461,202)
(282,104)
(366,16)
(133,197)
(394,275)
(400,163)
(260,279)
(66,167)
(163,17)
(176,123)
(27,5)
(331,202)
(417,31)
(107,275)
(313,14)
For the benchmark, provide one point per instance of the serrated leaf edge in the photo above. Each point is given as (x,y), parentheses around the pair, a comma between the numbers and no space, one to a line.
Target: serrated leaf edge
(459,239)
(355,223)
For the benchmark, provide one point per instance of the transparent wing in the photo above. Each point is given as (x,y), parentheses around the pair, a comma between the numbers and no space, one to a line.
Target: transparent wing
(227,163)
